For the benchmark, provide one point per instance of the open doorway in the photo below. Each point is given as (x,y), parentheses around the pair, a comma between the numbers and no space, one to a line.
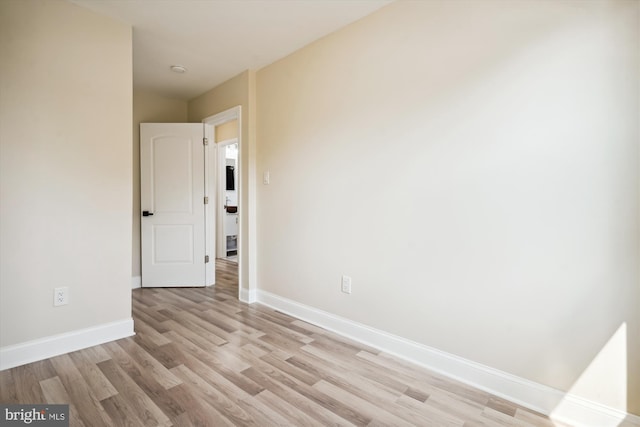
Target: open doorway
(228,168)
(225,143)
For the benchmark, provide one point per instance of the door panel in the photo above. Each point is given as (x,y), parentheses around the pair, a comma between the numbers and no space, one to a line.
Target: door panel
(172,178)
(173,173)
(172,244)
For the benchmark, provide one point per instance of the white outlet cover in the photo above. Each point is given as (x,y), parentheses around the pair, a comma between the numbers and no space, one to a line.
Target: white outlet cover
(60,296)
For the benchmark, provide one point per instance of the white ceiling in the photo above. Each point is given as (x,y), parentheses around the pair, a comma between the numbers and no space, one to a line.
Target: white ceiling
(218,39)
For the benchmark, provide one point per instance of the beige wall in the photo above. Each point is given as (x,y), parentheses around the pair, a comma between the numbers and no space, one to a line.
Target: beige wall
(239,90)
(474,167)
(226,131)
(65,169)
(148,108)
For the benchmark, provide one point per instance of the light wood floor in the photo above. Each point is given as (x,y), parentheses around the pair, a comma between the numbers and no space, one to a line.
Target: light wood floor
(201,357)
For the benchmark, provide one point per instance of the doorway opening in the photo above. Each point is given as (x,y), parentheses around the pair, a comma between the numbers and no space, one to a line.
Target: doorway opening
(227,236)
(225,145)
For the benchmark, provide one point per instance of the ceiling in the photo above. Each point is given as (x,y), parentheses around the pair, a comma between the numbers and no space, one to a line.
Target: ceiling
(218,39)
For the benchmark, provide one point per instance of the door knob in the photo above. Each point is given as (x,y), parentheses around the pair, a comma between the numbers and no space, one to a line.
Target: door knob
(147,213)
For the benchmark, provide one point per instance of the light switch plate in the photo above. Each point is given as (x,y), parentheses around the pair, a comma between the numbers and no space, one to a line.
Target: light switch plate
(346,284)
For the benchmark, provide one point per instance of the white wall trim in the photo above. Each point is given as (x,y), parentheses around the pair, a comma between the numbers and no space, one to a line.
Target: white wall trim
(136,282)
(576,410)
(224,116)
(248,296)
(549,401)
(43,348)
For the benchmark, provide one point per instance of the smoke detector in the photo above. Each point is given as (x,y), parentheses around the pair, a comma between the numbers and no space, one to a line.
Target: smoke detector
(178,69)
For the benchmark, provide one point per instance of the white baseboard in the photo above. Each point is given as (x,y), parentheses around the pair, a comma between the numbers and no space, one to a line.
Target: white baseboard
(136,282)
(55,345)
(248,296)
(575,410)
(558,405)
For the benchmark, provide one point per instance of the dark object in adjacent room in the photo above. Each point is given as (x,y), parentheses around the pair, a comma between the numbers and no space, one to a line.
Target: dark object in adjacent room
(230,179)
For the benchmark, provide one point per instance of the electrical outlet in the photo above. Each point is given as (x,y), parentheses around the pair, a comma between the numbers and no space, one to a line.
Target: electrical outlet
(60,296)
(346,284)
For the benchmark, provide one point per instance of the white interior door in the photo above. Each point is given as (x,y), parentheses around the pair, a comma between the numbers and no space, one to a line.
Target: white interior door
(173,227)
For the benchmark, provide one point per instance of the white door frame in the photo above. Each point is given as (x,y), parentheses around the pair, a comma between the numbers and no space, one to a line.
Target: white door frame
(209,208)
(234,113)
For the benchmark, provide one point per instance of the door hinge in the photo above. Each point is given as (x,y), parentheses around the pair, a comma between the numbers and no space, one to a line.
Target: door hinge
(205,141)
(206,259)
(206,200)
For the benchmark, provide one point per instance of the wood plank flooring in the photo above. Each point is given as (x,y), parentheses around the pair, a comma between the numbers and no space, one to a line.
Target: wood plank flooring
(202,358)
